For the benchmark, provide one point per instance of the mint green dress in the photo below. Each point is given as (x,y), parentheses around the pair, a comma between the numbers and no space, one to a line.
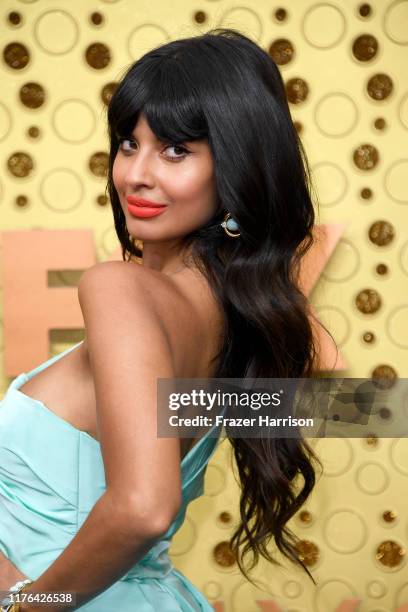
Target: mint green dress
(51,475)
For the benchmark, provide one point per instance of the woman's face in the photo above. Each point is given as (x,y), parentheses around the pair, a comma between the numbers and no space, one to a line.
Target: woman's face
(183,180)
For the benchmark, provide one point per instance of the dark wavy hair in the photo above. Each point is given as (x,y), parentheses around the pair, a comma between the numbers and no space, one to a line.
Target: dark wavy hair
(223,87)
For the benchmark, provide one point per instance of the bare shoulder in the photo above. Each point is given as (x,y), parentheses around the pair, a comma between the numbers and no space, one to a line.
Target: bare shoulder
(120,280)
(182,306)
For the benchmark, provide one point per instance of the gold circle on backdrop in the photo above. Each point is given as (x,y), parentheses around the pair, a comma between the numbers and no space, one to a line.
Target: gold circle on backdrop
(5,121)
(200,16)
(297,90)
(107,92)
(376,589)
(365,47)
(395,181)
(245,19)
(350,259)
(96,18)
(369,337)
(280,14)
(61,190)
(281,51)
(332,181)
(380,86)
(366,156)
(365,10)
(384,376)
(389,516)
(145,37)
(334,25)
(337,455)
(14,18)
(345,531)
(56,32)
(98,163)
(73,120)
(308,552)
(395,22)
(98,55)
(372,478)
(398,454)
(333,590)
(403,111)
(336,321)
(390,554)
(16,55)
(32,95)
(403,258)
(20,164)
(396,326)
(223,555)
(338,105)
(381,232)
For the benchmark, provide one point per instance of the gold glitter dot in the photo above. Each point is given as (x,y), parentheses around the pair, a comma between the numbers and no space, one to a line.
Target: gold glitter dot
(200,17)
(32,95)
(16,55)
(107,92)
(389,516)
(368,301)
(33,131)
(364,10)
(96,18)
(371,440)
(385,413)
(225,517)
(223,554)
(384,377)
(14,18)
(98,163)
(365,47)
(298,126)
(280,14)
(381,269)
(21,200)
(381,232)
(297,90)
(390,553)
(380,123)
(20,164)
(281,51)
(369,337)
(102,200)
(305,516)
(366,157)
(366,193)
(308,552)
(380,86)
(98,56)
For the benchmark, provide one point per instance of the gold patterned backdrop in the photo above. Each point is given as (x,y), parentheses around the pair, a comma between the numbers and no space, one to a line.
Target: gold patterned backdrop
(344,65)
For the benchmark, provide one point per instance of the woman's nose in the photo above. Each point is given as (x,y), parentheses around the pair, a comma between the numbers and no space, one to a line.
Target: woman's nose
(140,170)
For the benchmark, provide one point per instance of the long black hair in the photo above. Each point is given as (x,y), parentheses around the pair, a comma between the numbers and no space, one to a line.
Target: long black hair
(223,87)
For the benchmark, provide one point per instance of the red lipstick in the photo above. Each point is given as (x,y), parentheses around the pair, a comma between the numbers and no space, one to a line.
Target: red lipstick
(140,207)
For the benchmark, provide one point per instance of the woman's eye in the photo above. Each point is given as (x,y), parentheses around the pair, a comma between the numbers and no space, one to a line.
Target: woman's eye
(180,151)
(184,151)
(121,141)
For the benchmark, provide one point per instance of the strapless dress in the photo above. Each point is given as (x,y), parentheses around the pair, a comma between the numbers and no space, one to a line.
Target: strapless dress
(52,474)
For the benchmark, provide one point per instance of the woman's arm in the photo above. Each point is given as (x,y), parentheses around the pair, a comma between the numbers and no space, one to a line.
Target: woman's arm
(128,350)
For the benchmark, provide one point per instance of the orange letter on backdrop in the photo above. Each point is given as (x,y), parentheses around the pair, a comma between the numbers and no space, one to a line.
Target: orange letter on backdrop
(31,308)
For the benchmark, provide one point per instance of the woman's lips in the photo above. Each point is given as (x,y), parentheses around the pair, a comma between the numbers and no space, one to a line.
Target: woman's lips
(139,207)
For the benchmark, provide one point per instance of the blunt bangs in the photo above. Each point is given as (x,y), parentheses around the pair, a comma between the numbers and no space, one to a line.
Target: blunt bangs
(162,90)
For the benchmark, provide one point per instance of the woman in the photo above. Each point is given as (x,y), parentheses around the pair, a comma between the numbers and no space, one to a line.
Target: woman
(199,127)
